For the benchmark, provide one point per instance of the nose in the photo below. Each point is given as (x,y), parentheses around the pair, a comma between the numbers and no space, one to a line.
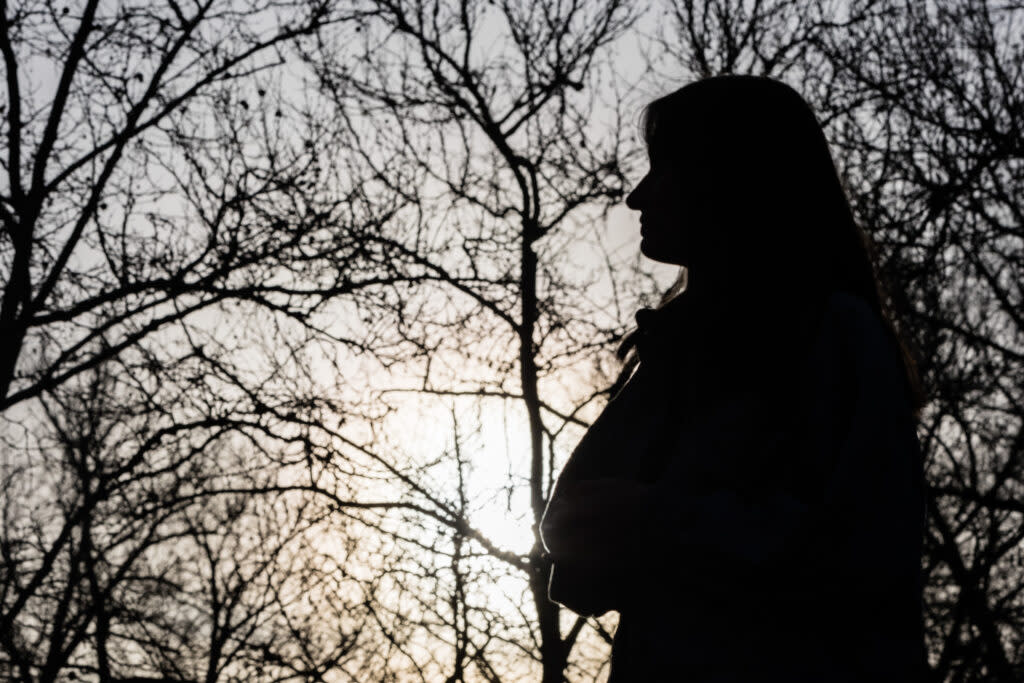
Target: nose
(633,198)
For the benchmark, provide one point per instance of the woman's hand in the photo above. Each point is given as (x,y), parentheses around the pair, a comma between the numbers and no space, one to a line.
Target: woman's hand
(598,521)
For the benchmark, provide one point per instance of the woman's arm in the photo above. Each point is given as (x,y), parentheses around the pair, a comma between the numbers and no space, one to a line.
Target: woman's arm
(590,533)
(593,509)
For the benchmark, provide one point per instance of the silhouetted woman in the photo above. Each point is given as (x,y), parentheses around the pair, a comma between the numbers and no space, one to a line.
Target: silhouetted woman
(752,500)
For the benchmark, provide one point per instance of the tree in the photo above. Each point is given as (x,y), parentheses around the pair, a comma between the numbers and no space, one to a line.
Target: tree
(487,117)
(280,277)
(92,174)
(938,173)
(156,184)
(192,563)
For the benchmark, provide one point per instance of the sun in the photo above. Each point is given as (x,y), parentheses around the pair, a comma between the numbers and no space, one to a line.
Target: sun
(500,464)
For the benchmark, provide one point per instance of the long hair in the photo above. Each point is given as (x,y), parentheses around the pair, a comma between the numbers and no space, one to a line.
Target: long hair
(773,231)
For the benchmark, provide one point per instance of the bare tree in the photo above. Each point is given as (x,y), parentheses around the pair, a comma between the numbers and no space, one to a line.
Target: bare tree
(509,132)
(164,210)
(263,318)
(763,37)
(136,107)
(186,547)
(939,177)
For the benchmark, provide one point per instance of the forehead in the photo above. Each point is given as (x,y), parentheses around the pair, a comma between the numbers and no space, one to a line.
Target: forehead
(679,146)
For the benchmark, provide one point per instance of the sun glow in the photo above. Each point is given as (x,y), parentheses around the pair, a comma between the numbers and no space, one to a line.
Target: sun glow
(501,467)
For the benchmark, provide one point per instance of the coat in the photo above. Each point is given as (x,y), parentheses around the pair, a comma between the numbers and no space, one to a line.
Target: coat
(785,525)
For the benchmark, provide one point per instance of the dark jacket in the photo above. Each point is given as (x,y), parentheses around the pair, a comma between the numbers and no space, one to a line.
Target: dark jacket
(786,522)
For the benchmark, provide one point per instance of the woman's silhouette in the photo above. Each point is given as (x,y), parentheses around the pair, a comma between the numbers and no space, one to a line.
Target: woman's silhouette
(751,501)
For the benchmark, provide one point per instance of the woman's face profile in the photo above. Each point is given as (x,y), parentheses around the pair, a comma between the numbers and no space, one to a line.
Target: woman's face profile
(667,201)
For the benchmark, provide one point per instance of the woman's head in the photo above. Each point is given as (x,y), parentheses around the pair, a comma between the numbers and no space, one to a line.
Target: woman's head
(743,192)
(741,174)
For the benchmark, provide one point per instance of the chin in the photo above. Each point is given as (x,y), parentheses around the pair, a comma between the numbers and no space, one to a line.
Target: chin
(652,252)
